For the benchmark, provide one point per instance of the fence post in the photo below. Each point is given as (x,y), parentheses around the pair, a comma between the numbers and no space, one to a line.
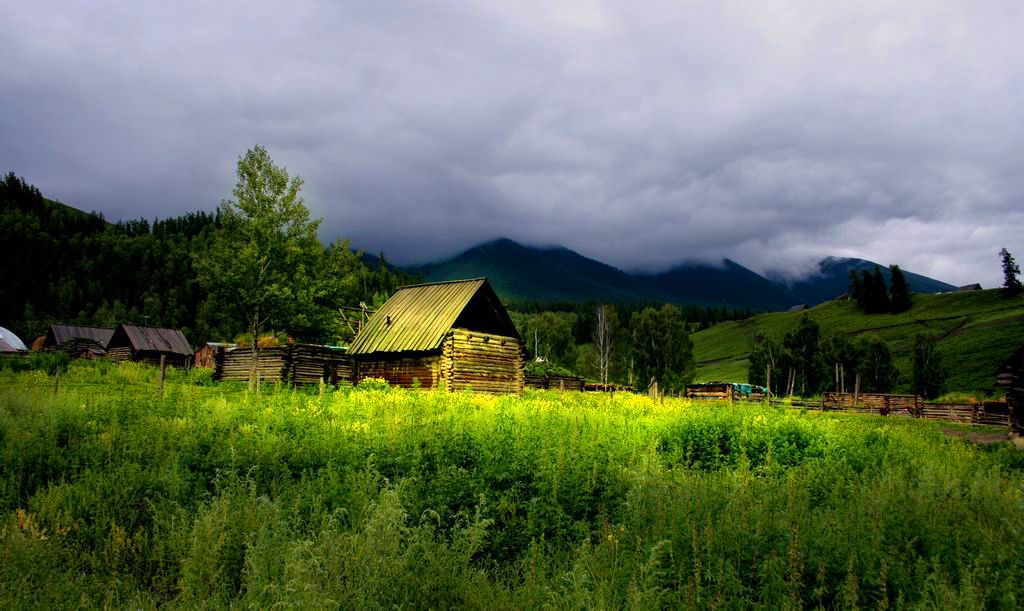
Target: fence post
(163,371)
(56,381)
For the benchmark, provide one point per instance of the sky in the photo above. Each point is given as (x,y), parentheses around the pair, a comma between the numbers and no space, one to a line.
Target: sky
(639,134)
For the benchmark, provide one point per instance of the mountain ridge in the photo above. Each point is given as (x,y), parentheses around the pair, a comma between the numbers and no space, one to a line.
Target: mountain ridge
(556,273)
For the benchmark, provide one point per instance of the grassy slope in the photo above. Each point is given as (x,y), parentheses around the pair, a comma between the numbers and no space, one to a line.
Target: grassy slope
(977,332)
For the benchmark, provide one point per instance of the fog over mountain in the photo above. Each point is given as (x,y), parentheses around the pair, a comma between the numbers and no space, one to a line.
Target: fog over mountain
(772,134)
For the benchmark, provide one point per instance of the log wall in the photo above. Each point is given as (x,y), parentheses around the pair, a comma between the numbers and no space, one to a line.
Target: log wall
(482,361)
(400,370)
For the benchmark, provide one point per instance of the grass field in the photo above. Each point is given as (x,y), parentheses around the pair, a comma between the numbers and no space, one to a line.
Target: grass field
(977,331)
(377,497)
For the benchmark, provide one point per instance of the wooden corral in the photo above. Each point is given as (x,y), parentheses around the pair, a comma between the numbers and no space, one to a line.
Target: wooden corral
(989,412)
(555,382)
(294,363)
(78,341)
(148,345)
(456,334)
(1011,379)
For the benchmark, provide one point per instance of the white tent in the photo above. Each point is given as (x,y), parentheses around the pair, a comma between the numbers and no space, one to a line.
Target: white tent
(9,342)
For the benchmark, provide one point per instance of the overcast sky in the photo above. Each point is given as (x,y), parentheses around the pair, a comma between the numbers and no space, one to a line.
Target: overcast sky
(641,134)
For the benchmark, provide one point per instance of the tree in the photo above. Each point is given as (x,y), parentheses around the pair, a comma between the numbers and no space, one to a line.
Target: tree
(856,288)
(804,349)
(262,261)
(841,360)
(929,374)
(875,366)
(899,293)
(1011,281)
(765,360)
(663,353)
(604,339)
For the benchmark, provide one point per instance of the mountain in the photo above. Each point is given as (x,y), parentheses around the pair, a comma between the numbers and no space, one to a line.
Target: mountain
(728,284)
(832,279)
(524,273)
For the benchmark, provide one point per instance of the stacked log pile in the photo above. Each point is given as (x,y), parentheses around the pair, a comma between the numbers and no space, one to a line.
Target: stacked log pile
(710,391)
(482,361)
(296,363)
(272,365)
(309,364)
(120,354)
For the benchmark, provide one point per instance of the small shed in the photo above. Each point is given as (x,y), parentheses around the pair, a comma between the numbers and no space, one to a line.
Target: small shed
(77,340)
(206,356)
(456,334)
(800,307)
(969,287)
(11,343)
(148,344)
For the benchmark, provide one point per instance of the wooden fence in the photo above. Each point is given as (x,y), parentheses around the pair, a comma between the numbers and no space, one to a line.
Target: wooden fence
(990,412)
(552,382)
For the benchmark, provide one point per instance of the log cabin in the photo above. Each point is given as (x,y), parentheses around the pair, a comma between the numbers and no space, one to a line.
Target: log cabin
(456,335)
(148,344)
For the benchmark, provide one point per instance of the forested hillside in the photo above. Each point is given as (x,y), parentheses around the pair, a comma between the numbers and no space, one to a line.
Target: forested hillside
(975,332)
(64,265)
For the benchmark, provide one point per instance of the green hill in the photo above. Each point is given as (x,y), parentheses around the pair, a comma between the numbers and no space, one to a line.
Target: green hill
(976,331)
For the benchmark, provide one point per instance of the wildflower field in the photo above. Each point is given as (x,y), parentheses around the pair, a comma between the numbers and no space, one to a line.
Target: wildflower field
(373,497)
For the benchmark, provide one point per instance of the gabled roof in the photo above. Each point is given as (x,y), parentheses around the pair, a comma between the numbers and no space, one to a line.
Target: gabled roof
(151,339)
(417,317)
(58,334)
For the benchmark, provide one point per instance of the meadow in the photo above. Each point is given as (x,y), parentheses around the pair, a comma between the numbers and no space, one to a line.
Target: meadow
(381,497)
(976,333)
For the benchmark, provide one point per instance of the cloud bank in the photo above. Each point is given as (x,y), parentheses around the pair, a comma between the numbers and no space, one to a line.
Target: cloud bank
(772,133)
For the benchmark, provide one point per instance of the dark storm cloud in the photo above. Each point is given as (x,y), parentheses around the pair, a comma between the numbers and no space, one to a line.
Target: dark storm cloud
(772,133)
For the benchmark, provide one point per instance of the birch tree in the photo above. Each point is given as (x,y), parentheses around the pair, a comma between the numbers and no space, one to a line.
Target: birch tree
(263,257)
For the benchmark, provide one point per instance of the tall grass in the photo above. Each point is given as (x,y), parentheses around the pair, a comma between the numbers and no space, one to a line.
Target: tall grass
(374,497)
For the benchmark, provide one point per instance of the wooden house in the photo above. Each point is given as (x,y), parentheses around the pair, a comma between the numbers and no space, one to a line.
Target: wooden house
(78,341)
(456,334)
(148,344)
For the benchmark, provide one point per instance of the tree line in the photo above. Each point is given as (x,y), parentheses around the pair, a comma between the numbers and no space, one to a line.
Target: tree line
(65,265)
(807,363)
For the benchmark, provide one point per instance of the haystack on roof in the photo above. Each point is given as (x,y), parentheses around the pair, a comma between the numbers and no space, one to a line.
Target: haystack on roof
(150,339)
(61,334)
(417,317)
(9,342)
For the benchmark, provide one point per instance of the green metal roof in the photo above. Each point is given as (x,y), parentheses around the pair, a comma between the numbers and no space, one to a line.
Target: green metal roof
(417,317)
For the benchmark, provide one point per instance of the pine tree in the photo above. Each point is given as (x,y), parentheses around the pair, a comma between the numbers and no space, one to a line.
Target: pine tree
(899,293)
(929,374)
(1011,282)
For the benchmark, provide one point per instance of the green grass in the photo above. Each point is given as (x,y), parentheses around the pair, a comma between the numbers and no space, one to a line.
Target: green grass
(977,332)
(377,497)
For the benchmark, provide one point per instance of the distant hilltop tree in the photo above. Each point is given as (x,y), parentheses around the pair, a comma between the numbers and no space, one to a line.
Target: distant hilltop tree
(1011,272)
